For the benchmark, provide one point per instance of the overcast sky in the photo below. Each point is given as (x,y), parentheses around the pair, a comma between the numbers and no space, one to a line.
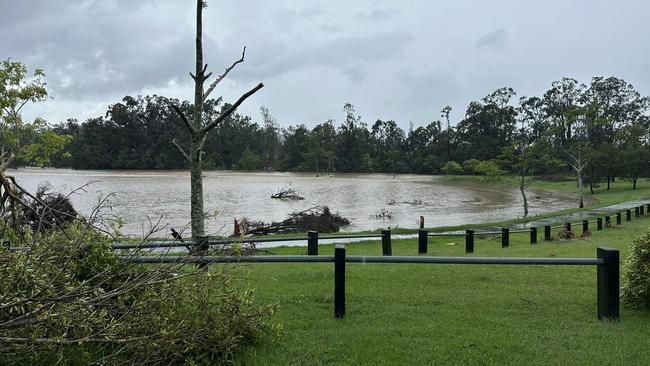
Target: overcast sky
(400,60)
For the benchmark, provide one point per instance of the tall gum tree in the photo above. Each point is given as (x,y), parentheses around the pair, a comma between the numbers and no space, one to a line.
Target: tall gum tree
(199,128)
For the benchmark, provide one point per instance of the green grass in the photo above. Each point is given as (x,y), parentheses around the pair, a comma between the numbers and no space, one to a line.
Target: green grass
(401,314)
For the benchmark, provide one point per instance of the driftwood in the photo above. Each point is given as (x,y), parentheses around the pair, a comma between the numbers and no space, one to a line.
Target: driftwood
(415,202)
(318,218)
(287,194)
(382,214)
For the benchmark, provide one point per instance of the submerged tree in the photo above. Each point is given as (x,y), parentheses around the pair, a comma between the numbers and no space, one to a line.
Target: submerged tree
(199,128)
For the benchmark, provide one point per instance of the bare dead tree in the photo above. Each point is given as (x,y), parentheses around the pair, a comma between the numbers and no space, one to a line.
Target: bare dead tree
(579,163)
(198,128)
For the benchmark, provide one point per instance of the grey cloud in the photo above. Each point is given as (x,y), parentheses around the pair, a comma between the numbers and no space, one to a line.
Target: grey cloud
(495,39)
(403,63)
(337,53)
(377,14)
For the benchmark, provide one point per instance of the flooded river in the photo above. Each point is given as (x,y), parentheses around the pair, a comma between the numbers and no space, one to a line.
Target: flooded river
(139,195)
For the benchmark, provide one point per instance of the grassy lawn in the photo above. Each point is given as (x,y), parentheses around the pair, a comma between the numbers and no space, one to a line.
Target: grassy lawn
(401,314)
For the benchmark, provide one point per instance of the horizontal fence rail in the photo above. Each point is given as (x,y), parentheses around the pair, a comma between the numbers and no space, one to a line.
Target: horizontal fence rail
(607,261)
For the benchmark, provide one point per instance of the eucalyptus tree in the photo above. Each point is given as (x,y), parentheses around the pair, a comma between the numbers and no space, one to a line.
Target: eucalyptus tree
(563,97)
(611,105)
(353,142)
(198,127)
(488,125)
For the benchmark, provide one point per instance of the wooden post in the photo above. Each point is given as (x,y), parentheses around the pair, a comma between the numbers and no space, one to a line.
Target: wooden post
(469,241)
(422,241)
(547,232)
(567,226)
(636,211)
(533,235)
(641,209)
(386,246)
(505,237)
(608,221)
(628,215)
(599,223)
(585,226)
(608,284)
(618,218)
(339,281)
(312,243)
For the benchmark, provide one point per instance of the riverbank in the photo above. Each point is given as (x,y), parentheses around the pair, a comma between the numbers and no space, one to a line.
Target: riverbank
(449,314)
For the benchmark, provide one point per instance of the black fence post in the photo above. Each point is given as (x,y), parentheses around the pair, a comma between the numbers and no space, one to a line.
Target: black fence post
(585,226)
(547,232)
(469,241)
(641,209)
(422,241)
(628,215)
(533,235)
(636,211)
(608,221)
(618,218)
(567,226)
(339,281)
(386,246)
(608,284)
(647,206)
(599,223)
(312,243)
(505,237)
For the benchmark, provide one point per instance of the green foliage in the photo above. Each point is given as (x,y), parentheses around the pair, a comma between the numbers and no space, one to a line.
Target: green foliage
(470,166)
(30,143)
(635,291)
(71,298)
(250,160)
(452,168)
(488,169)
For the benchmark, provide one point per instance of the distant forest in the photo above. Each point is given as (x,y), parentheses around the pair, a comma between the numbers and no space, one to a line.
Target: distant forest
(605,122)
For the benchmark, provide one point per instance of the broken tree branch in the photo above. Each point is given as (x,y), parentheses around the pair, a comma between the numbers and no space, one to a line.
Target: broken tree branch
(222,76)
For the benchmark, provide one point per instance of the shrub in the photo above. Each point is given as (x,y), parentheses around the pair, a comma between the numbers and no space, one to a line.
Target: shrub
(635,291)
(452,168)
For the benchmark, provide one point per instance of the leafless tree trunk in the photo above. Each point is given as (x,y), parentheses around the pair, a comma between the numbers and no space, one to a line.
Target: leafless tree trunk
(199,129)
(579,163)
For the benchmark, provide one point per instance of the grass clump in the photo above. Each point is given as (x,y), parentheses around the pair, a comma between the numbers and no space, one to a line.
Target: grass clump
(635,292)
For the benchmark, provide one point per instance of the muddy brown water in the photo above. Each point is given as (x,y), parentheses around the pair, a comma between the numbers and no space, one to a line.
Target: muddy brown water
(142,195)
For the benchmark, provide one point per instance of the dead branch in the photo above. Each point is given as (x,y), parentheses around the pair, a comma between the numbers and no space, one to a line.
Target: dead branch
(180,150)
(186,122)
(225,114)
(222,76)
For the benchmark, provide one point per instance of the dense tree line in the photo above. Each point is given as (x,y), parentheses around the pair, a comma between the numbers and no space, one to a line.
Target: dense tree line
(604,122)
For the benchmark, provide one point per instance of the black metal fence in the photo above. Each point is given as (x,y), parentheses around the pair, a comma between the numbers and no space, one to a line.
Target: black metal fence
(607,261)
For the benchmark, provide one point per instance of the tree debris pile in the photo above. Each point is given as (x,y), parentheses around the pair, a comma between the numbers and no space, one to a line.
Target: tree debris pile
(318,218)
(49,210)
(382,214)
(288,194)
(41,212)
